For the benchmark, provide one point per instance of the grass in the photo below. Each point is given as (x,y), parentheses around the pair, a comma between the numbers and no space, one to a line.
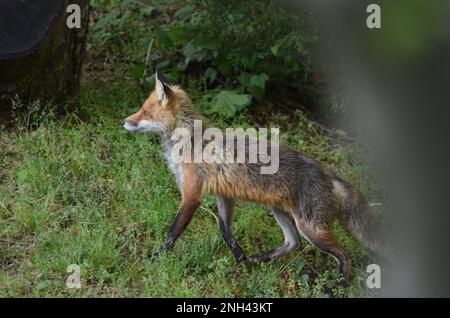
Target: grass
(81,190)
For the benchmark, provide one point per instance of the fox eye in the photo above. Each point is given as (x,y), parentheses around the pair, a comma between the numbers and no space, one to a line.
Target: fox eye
(146,113)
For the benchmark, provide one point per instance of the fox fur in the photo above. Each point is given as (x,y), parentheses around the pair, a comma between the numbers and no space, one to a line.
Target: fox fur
(305,196)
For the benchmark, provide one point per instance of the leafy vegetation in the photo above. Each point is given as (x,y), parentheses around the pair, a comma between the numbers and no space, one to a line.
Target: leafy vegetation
(81,190)
(231,50)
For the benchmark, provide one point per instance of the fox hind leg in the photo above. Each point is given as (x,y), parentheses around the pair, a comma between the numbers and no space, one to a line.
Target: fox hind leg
(226,210)
(324,240)
(291,239)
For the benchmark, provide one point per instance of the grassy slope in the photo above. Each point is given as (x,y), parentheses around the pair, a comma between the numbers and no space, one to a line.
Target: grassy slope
(89,193)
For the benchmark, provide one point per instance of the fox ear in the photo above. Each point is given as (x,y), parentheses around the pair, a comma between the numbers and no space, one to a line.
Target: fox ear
(162,87)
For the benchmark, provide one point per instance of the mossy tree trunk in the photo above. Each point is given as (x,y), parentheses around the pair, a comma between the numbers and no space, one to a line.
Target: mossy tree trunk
(40,57)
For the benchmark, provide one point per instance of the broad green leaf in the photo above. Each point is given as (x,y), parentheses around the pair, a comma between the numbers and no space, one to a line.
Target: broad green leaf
(244,79)
(146,11)
(210,75)
(164,38)
(275,50)
(259,80)
(185,12)
(181,34)
(193,53)
(257,85)
(254,84)
(228,102)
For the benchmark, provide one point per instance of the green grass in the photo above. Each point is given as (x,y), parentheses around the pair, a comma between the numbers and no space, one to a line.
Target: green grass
(92,194)
(86,192)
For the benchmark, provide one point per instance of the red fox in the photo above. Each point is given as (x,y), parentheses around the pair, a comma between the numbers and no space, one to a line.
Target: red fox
(304,195)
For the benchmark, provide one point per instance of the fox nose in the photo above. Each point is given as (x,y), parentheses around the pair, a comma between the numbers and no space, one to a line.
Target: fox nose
(130,123)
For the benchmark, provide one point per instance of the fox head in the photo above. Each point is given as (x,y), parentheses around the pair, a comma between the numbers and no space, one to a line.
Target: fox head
(159,112)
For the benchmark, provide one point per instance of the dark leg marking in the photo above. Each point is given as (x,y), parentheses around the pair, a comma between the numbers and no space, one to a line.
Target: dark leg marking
(226,209)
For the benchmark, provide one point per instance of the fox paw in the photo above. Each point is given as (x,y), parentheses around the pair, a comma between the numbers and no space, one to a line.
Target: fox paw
(240,258)
(343,282)
(255,259)
(154,256)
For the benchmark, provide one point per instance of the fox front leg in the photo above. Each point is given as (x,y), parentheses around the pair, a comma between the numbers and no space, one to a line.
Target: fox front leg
(182,220)
(179,224)
(226,209)
(192,198)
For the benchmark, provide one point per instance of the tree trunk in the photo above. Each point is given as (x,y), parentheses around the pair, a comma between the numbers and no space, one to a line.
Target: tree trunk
(40,57)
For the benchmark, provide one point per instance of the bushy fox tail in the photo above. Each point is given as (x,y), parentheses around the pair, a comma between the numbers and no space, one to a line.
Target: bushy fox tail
(361,223)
